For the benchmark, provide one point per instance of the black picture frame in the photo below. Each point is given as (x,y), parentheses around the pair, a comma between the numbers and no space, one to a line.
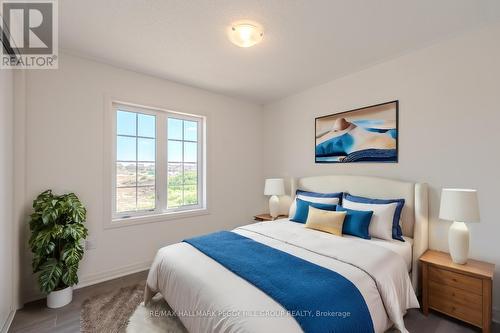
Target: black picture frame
(396,102)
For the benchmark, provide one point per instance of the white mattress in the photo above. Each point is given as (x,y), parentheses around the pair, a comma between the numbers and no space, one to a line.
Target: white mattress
(192,282)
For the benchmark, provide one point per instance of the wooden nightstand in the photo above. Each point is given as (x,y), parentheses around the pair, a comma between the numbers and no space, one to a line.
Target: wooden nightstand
(460,291)
(267,217)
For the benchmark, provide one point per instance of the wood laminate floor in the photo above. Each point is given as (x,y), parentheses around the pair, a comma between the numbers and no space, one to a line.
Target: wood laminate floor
(37,318)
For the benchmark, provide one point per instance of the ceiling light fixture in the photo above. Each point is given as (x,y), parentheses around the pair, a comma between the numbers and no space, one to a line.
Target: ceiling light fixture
(245,34)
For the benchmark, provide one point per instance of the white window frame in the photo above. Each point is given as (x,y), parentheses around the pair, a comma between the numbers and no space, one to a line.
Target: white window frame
(161,212)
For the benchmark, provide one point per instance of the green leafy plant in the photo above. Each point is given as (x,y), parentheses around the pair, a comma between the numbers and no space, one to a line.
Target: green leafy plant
(57,232)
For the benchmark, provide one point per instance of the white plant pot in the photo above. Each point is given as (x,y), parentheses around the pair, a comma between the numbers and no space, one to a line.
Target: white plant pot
(60,298)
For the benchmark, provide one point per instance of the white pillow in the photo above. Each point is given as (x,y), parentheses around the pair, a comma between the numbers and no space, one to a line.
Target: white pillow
(323,200)
(383,215)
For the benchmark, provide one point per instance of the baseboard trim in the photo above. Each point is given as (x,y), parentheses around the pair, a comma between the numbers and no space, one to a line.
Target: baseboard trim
(8,322)
(496,315)
(92,279)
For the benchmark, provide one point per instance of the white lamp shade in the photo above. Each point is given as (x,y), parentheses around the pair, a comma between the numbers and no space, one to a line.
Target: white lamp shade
(274,186)
(459,205)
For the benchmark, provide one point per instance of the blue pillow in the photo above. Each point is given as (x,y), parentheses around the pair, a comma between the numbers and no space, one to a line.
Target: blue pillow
(303,209)
(320,195)
(397,233)
(356,222)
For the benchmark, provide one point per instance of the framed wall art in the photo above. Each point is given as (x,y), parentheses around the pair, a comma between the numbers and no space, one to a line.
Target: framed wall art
(368,134)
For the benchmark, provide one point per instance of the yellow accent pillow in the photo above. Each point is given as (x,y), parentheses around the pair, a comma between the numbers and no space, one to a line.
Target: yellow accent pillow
(325,220)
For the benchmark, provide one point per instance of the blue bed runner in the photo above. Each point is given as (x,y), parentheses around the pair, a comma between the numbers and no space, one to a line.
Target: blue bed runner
(319,299)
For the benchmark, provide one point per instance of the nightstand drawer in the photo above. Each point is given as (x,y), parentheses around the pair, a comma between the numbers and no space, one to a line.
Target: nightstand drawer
(457,296)
(460,281)
(470,314)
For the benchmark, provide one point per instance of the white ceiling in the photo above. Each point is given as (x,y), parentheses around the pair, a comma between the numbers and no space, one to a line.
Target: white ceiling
(306,42)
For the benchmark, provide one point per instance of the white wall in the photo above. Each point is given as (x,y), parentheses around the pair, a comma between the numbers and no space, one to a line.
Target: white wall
(6,193)
(449,129)
(64,151)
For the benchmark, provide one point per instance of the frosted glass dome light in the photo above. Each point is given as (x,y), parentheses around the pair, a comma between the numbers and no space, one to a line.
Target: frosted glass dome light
(245,34)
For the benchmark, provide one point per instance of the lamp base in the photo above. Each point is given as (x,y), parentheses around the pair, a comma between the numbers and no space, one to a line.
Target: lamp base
(274,206)
(458,242)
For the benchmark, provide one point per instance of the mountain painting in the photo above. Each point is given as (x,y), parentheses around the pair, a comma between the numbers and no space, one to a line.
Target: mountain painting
(368,134)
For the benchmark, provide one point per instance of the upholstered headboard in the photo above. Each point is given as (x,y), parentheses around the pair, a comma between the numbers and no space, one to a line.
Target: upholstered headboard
(414,218)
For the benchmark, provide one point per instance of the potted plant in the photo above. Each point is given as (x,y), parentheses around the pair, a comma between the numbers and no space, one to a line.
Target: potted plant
(57,233)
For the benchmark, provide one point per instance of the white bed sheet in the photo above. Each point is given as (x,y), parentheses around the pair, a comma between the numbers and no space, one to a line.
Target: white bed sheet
(216,300)
(404,249)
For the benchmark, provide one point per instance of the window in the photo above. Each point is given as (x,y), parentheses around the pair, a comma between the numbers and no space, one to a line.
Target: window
(182,163)
(158,162)
(135,161)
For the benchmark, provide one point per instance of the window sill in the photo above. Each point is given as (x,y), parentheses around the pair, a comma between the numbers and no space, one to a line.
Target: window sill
(136,220)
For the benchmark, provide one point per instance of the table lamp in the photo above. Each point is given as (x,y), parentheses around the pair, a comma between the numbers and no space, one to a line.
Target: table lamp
(460,206)
(274,187)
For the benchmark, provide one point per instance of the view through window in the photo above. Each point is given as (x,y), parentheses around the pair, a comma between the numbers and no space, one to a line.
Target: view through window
(158,162)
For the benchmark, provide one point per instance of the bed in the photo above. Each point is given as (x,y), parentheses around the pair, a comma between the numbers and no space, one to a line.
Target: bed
(208,297)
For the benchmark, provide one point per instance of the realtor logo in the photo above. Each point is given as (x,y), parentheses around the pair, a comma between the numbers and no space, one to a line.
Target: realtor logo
(29,34)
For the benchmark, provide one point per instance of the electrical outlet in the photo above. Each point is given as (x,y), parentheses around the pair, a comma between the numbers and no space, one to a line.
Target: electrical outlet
(90,244)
